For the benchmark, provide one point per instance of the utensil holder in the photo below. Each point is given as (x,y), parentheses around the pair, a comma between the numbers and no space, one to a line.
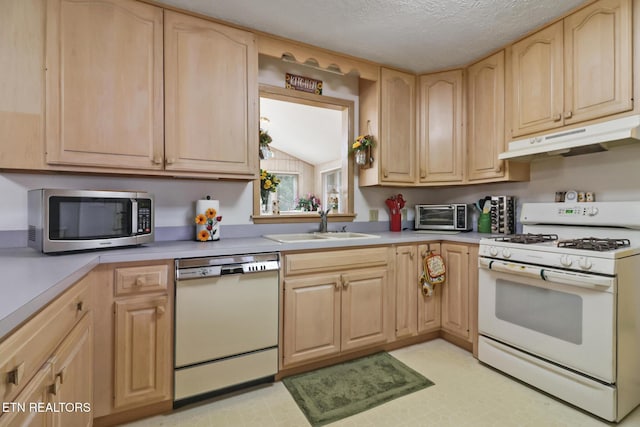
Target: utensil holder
(395,222)
(484,223)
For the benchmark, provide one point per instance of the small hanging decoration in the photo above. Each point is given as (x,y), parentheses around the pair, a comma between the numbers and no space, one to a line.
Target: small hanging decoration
(433,273)
(304,84)
(265,150)
(361,149)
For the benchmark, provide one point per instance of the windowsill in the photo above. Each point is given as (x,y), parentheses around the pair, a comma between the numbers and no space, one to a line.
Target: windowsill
(294,218)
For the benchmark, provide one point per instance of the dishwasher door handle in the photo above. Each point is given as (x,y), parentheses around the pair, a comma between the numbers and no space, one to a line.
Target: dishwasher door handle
(232,269)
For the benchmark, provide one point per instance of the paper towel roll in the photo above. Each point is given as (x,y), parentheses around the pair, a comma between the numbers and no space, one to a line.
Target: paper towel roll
(212,226)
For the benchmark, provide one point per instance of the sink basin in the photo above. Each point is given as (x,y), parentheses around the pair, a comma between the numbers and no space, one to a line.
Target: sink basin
(346,235)
(314,237)
(295,237)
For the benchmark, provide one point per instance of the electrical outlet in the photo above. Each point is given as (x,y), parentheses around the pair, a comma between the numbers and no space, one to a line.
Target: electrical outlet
(373,215)
(403,211)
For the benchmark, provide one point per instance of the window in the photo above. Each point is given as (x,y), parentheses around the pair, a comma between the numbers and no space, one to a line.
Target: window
(287,191)
(331,186)
(309,144)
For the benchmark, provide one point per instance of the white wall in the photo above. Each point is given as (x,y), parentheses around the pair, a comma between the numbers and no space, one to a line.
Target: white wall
(612,175)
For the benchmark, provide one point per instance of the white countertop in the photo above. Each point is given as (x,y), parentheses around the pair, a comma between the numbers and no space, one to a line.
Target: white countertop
(30,280)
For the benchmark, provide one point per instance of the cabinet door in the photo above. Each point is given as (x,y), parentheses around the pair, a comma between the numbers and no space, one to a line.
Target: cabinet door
(143,367)
(311,317)
(211,89)
(365,311)
(36,392)
(598,66)
(22,84)
(429,317)
(397,127)
(440,138)
(473,297)
(104,100)
(455,292)
(485,117)
(537,91)
(73,371)
(406,296)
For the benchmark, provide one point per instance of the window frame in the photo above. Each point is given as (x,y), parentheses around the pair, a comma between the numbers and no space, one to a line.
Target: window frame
(321,101)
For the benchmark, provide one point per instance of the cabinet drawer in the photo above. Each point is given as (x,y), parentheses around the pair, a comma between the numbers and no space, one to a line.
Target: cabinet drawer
(25,351)
(147,278)
(313,262)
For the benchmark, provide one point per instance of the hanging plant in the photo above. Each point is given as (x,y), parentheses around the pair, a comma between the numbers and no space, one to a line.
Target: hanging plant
(265,140)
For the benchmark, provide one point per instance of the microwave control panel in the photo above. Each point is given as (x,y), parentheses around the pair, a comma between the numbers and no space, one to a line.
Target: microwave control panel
(144,216)
(461,217)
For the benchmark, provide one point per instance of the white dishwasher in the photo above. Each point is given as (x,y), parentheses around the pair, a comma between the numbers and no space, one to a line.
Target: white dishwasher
(226,324)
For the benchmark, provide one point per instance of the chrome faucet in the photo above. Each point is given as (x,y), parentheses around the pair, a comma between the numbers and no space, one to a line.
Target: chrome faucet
(323,220)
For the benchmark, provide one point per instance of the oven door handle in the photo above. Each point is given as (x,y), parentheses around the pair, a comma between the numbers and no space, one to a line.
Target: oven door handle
(588,281)
(509,267)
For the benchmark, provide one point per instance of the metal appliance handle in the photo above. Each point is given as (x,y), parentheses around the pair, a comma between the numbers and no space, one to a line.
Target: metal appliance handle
(134,217)
(588,281)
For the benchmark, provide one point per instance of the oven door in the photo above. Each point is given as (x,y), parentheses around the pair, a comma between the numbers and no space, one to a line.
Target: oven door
(562,316)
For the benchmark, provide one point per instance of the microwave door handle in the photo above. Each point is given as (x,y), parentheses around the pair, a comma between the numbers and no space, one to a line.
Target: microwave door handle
(134,217)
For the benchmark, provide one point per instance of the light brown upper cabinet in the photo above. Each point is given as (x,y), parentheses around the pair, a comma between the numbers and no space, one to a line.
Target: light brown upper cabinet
(485,118)
(397,127)
(575,70)
(211,97)
(134,89)
(104,102)
(22,84)
(440,136)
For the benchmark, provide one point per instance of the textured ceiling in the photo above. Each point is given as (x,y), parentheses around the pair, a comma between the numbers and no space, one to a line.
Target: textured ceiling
(417,35)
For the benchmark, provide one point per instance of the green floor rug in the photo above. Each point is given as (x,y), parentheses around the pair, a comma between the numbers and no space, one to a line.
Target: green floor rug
(329,394)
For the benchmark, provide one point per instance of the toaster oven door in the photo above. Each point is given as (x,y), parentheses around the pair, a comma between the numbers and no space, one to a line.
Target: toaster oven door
(435,217)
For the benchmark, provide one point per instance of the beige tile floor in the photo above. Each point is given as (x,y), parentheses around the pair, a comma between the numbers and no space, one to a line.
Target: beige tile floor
(466,394)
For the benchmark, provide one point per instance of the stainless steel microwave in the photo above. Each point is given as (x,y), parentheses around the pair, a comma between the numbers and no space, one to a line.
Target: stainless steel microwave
(73,220)
(455,217)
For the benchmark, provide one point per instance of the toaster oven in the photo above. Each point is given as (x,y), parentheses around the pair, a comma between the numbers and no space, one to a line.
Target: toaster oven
(455,216)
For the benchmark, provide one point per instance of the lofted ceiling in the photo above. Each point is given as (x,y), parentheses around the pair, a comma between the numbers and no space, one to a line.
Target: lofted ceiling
(415,35)
(311,134)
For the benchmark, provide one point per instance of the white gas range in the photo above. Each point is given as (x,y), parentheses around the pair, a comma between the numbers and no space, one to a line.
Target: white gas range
(559,306)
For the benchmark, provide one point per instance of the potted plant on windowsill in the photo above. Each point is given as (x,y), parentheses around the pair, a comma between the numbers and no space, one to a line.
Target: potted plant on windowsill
(310,203)
(268,185)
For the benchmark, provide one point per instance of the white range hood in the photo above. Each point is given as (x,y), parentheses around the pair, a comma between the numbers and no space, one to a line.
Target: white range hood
(587,139)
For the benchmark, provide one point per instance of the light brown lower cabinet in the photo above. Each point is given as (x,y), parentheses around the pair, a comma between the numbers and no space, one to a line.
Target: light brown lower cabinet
(416,313)
(133,365)
(329,308)
(143,329)
(48,361)
(460,292)
(73,376)
(429,318)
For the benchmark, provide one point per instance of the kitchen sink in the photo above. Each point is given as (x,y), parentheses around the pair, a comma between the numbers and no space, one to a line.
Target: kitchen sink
(346,235)
(314,237)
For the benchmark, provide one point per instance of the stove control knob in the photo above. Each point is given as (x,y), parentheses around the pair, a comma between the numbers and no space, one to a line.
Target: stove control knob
(506,253)
(585,263)
(592,211)
(493,251)
(566,261)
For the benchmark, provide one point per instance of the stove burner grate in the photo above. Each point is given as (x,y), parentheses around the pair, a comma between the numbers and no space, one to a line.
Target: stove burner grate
(528,238)
(594,244)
